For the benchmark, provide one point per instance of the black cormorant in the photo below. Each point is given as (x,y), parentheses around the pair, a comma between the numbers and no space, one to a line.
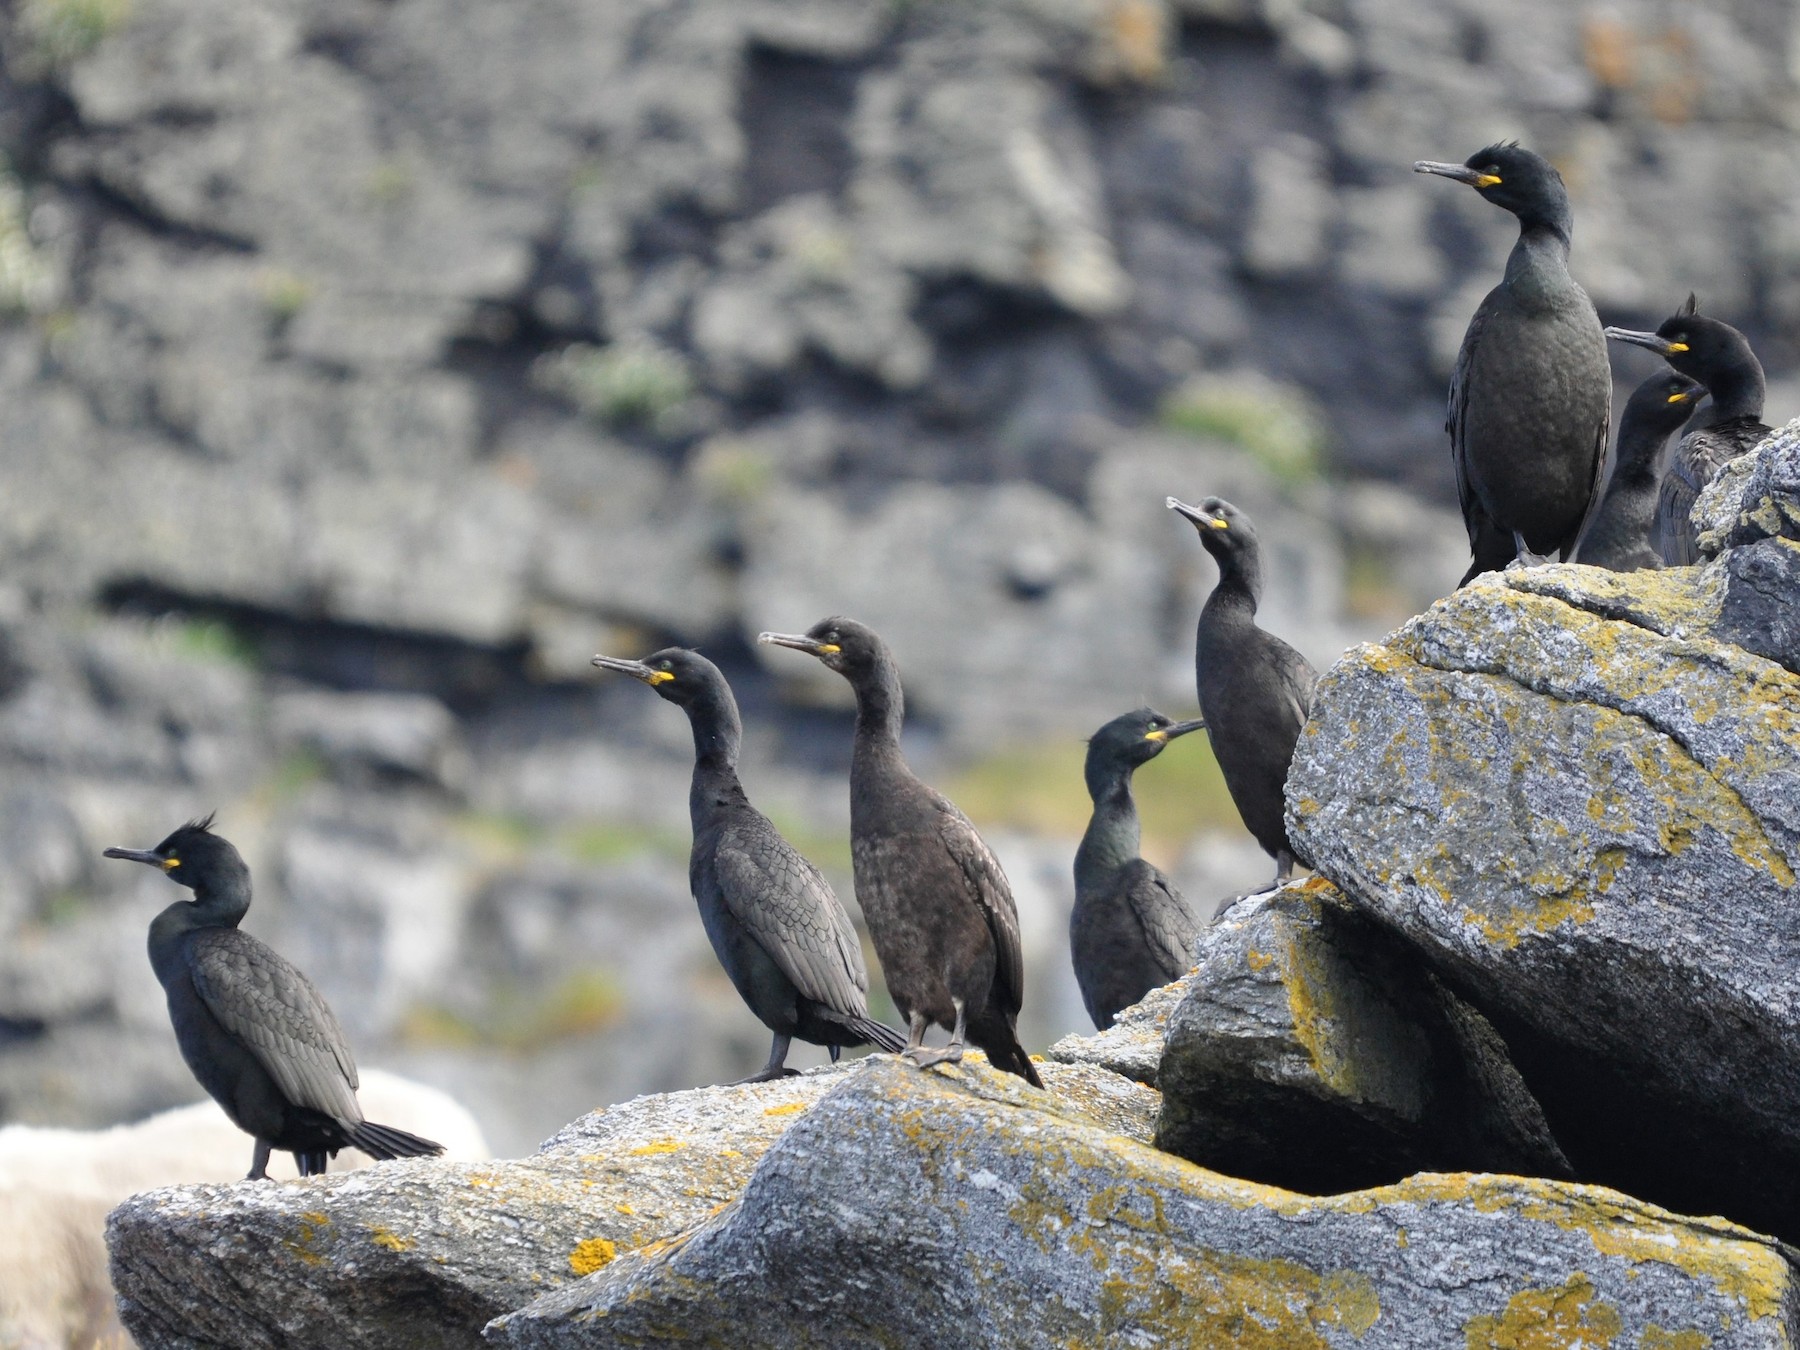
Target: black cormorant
(1532,393)
(1255,690)
(1618,536)
(938,906)
(775,925)
(252,1028)
(1130,930)
(1718,356)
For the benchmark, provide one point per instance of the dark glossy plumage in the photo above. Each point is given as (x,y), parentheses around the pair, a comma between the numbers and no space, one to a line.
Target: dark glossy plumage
(1531,396)
(1255,690)
(255,1032)
(1618,535)
(939,909)
(1719,357)
(778,930)
(1130,930)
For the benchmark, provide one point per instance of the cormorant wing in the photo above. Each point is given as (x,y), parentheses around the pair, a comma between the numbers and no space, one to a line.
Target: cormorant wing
(1675,504)
(1457,409)
(1169,925)
(789,908)
(278,1016)
(1604,455)
(992,893)
(1296,677)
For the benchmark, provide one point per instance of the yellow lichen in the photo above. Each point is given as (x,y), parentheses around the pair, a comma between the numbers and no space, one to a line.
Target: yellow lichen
(392,1241)
(1655,1338)
(1548,1319)
(656,1146)
(787,1110)
(592,1254)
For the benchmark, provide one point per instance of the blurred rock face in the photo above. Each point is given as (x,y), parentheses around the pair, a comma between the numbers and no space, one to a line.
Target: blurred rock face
(407,354)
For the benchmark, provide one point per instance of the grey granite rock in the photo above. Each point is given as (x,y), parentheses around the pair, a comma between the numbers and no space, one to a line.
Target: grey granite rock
(1313,1051)
(424,1253)
(1581,808)
(953,1209)
(1756,496)
(1133,1044)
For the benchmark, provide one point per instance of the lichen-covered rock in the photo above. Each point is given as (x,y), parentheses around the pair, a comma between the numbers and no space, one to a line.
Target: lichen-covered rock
(1756,496)
(1584,809)
(962,1209)
(1315,1051)
(1133,1044)
(423,1253)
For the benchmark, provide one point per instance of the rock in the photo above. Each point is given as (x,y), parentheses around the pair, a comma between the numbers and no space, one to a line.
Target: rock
(424,1253)
(955,1209)
(374,737)
(1584,810)
(1756,496)
(1133,1044)
(1313,1051)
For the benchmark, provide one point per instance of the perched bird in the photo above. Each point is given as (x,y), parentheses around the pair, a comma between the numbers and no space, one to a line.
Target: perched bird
(1718,356)
(255,1032)
(1130,930)
(1532,393)
(1618,534)
(938,906)
(774,923)
(1255,690)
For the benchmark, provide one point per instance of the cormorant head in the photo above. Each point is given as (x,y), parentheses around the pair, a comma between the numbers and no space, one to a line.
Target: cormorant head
(676,673)
(846,646)
(1225,530)
(1135,738)
(1692,343)
(1509,176)
(1661,403)
(193,856)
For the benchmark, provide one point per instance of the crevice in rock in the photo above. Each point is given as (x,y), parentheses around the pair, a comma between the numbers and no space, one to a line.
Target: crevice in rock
(793,110)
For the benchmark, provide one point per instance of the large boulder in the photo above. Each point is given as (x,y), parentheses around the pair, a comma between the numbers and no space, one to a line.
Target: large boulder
(961,1208)
(1581,803)
(423,1253)
(1315,1051)
(1756,496)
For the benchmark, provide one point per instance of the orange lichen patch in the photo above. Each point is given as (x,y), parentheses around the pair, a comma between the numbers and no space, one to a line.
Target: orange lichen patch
(390,1240)
(1258,961)
(655,1146)
(313,1226)
(791,1108)
(592,1254)
(1548,1319)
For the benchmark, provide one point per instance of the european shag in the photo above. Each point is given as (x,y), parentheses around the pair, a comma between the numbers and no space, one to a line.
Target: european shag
(1532,393)
(255,1032)
(1718,356)
(1255,690)
(938,906)
(774,923)
(1618,536)
(1130,930)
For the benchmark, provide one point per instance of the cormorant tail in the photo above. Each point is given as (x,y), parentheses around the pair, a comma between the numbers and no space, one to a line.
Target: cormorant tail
(311,1164)
(878,1034)
(385,1142)
(1013,1059)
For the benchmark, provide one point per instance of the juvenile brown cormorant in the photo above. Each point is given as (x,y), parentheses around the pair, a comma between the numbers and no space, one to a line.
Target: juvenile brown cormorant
(938,906)
(1718,356)
(1255,690)
(1618,536)
(1130,930)
(255,1032)
(1532,392)
(774,923)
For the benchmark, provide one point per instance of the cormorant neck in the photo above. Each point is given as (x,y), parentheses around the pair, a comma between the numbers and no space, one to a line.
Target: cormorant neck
(219,902)
(880,703)
(1738,389)
(1240,579)
(718,731)
(1113,834)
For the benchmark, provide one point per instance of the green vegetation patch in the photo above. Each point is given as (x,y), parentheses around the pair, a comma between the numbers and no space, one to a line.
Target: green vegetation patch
(1276,423)
(58,33)
(627,383)
(523,1017)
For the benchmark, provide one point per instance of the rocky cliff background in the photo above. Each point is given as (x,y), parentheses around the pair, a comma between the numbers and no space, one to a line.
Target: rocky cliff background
(365,367)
